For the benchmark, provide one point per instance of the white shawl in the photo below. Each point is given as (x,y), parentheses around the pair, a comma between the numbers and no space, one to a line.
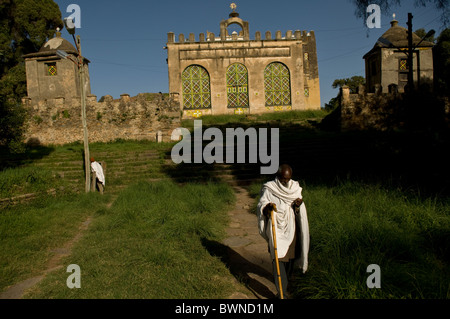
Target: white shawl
(282,197)
(97,168)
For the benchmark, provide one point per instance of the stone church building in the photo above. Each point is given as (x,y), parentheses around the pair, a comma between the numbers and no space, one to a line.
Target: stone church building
(50,77)
(233,74)
(387,63)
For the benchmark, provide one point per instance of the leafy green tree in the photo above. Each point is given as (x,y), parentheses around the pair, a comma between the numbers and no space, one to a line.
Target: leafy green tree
(442,63)
(386,5)
(353,83)
(333,103)
(12,117)
(421,33)
(25,25)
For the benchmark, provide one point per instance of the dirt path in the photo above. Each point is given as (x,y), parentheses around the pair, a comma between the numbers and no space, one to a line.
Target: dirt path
(249,260)
(18,290)
(246,255)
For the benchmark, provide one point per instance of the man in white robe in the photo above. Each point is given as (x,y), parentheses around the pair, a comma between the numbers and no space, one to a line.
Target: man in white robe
(284,196)
(98,177)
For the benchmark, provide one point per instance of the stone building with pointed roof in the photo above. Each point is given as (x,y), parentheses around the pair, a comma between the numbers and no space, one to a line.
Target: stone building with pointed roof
(387,62)
(49,76)
(234,74)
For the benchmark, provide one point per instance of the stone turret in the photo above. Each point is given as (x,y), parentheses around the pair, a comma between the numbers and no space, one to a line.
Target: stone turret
(49,76)
(387,65)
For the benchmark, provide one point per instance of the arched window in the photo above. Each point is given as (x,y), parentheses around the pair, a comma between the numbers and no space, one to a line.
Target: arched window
(235,27)
(277,85)
(237,85)
(196,88)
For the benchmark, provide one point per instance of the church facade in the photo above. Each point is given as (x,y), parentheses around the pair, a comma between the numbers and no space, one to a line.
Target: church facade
(233,74)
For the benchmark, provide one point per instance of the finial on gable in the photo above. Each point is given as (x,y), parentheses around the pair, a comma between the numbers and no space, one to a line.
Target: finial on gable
(233,7)
(394,22)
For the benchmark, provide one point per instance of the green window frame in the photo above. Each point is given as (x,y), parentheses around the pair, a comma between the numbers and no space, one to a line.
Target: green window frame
(277,85)
(51,69)
(196,88)
(403,65)
(237,86)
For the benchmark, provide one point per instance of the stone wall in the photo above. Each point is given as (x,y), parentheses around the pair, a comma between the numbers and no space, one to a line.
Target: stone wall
(390,111)
(58,121)
(364,110)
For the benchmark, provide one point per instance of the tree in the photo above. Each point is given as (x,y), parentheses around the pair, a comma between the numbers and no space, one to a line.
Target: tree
(25,25)
(385,6)
(12,117)
(421,33)
(442,63)
(353,83)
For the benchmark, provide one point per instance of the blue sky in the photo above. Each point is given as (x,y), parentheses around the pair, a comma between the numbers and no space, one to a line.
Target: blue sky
(124,40)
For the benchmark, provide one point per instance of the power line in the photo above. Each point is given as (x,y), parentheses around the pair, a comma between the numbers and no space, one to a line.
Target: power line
(101,61)
(347,29)
(345,54)
(431,21)
(130,67)
(123,40)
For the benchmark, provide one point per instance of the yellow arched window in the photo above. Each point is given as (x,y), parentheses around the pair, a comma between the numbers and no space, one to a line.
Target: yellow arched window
(237,86)
(196,88)
(277,85)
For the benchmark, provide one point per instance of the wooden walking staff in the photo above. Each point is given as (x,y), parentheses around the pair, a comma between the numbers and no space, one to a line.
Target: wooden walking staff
(274,235)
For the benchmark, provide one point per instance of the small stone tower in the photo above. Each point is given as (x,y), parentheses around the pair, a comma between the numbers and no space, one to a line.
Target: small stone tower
(387,63)
(49,76)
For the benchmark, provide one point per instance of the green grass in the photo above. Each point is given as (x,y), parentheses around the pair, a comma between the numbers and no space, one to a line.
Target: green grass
(29,232)
(149,245)
(117,146)
(285,117)
(42,167)
(146,247)
(354,225)
(24,180)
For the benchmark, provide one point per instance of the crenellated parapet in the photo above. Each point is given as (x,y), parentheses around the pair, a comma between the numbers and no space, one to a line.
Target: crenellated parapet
(58,120)
(297,35)
(382,111)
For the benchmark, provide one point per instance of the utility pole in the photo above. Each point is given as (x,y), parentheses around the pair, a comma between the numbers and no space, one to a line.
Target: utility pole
(87,164)
(70,27)
(410,54)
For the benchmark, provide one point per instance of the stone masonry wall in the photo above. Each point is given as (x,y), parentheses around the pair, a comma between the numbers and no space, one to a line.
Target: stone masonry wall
(386,111)
(58,121)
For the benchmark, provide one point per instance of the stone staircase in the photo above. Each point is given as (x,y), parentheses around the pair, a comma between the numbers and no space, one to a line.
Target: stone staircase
(120,169)
(131,166)
(310,155)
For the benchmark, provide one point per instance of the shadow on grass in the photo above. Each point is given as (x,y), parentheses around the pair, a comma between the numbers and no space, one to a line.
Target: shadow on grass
(32,153)
(192,173)
(413,161)
(240,268)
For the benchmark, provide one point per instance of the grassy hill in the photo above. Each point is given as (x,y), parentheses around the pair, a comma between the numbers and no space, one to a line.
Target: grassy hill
(372,198)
